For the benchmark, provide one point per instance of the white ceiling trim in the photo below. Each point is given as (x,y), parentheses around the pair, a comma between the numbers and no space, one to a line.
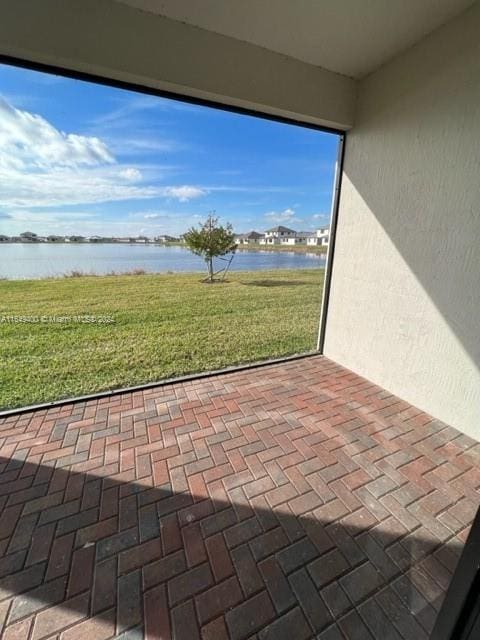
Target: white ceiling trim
(350,37)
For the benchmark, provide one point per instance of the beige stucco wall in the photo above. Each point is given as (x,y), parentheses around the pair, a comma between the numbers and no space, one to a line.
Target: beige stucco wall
(405,302)
(116,41)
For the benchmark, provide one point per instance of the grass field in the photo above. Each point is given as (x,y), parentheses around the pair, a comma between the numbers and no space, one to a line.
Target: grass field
(164,326)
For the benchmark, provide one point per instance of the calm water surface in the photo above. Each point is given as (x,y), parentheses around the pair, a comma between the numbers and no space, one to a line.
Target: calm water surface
(18,261)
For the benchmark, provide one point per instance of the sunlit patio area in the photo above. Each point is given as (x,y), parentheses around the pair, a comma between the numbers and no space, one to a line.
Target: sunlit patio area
(293,500)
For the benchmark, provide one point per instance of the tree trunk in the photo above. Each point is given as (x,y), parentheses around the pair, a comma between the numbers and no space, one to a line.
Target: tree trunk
(210,269)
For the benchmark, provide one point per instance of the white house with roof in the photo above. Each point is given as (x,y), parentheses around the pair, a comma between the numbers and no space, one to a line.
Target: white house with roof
(303,237)
(319,238)
(279,235)
(254,237)
(284,236)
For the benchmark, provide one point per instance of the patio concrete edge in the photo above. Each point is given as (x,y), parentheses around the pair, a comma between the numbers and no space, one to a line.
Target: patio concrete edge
(159,383)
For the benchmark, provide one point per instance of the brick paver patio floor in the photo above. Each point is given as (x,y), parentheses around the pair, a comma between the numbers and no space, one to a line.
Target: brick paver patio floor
(291,501)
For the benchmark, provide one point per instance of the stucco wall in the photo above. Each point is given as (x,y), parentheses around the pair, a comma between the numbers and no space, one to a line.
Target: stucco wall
(405,302)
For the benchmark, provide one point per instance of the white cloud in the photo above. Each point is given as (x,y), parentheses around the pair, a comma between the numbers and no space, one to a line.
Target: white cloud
(84,222)
(141,143)
(126,106)
(290,215)
(287,215)
(28,140)
(46,222)
(185,192)
(129,132)
(41,166)
(130,174)
(61,187)
(21,215)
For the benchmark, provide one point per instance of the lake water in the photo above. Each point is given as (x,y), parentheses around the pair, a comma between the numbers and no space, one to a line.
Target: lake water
(18,261)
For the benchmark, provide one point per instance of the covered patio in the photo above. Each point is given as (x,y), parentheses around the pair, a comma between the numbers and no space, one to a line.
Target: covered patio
(295,500)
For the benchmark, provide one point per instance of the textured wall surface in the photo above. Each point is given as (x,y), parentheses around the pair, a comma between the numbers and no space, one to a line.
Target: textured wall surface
(405,308)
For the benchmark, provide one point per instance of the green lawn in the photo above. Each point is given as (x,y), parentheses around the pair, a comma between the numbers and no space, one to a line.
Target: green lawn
(165,325)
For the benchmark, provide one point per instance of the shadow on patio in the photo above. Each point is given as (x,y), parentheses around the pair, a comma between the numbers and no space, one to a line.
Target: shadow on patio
(91,545)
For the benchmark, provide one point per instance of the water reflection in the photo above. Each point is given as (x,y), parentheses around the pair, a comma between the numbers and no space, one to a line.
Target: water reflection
(46,260)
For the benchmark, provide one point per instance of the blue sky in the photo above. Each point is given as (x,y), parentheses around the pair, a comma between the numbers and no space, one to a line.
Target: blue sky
(76,157)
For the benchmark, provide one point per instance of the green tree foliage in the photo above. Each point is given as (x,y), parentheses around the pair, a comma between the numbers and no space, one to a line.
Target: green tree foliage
(210,240)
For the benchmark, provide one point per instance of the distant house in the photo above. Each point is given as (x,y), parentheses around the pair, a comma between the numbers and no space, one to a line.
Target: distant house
(165,238)
(4,238)
(139,240)
(96,239)
(76,239)
(249,238)
(284,236)
(54,238)
(28,236)
(319,237)
(302,237)
(279,235)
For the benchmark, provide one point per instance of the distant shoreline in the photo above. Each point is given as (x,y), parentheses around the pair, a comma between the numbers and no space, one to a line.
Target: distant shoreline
(20,261)
(139,244)
(284,248)
(258,247)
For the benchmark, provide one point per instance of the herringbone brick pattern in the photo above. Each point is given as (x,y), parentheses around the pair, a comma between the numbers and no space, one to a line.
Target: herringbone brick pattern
(292,501)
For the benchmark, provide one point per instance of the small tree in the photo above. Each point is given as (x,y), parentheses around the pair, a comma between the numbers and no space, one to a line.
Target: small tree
(210,241)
